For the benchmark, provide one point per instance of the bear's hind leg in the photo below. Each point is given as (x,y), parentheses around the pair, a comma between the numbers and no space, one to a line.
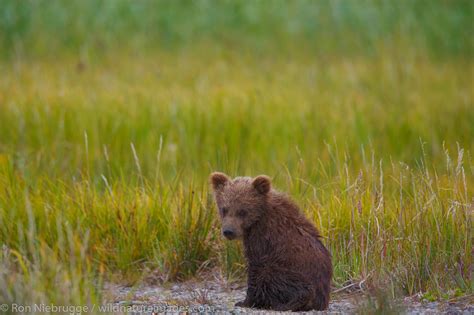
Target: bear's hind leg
(298,303)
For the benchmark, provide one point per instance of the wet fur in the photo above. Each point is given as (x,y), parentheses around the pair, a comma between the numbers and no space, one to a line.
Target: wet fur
(288,266)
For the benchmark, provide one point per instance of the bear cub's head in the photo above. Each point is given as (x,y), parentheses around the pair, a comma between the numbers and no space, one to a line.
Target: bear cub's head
(240,201)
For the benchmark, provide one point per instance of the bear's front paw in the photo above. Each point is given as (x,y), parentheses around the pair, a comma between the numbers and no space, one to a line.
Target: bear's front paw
(241,304)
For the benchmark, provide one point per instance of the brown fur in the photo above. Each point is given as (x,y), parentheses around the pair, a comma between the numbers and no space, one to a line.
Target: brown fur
(288,266)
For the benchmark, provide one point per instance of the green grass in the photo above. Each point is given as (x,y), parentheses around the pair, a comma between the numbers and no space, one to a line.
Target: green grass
(45,27)
(105,153)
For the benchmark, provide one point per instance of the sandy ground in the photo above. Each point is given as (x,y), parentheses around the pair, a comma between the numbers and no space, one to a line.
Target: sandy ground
(216,297)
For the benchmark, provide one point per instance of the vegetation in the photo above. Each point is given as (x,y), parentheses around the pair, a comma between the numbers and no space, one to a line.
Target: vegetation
(113,114)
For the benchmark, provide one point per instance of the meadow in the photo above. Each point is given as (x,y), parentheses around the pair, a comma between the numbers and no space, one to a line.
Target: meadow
(111,123)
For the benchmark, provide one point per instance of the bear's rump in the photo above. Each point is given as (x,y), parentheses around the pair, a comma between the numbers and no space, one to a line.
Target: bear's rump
(274,286)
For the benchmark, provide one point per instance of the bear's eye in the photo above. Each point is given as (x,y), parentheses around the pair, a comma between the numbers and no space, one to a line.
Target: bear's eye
(242,213)
(224,211)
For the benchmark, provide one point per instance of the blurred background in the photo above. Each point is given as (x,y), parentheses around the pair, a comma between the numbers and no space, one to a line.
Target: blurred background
(440,28)
(209,80)
(113,114)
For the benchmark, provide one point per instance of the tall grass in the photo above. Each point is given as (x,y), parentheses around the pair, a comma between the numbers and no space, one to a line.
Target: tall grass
(104,156)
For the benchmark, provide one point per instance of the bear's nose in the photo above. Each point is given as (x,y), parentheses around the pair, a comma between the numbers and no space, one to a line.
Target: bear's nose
(229,234)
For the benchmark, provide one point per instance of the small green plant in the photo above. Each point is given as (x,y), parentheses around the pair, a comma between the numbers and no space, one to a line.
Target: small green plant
(429,296)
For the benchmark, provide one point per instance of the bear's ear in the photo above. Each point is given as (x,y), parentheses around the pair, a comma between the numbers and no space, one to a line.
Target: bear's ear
(262,184)
(218,180)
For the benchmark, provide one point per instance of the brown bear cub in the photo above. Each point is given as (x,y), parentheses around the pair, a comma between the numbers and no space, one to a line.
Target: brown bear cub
(288,266)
